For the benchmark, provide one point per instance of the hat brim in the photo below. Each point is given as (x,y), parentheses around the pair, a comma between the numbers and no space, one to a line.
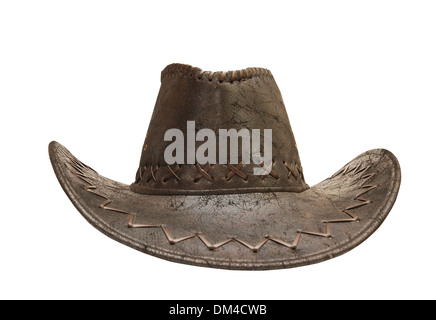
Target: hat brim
(239,231)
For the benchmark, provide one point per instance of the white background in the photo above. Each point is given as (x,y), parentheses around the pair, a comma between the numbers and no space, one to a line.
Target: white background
(354,75)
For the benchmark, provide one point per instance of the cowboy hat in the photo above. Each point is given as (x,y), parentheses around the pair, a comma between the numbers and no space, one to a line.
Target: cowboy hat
(200,201)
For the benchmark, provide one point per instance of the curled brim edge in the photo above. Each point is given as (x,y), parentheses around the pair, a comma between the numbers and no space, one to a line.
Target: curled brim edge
(230,231)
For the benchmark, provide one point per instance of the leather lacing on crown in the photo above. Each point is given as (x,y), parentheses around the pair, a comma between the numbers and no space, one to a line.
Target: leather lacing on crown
(148,173)
(185,70)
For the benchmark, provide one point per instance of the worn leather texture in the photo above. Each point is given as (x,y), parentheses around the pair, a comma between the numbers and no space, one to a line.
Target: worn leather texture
(239,231)
(211,220)
(244,99)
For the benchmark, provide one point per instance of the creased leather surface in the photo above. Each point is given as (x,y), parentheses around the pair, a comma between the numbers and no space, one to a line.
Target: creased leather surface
(249,218)
(221,215)
(250,103)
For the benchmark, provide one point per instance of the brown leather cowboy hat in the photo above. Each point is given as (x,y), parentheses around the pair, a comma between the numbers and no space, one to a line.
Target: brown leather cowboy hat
(221,214)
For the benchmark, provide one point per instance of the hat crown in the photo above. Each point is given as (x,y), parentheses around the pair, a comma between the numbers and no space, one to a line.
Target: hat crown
(191,100)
